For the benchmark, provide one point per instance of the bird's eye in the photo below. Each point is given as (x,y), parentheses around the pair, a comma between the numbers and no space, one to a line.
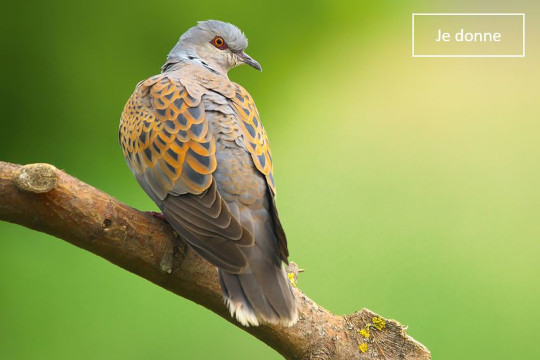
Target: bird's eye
(219,43)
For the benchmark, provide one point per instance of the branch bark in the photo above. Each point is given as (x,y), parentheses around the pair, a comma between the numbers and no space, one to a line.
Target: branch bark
(43,198)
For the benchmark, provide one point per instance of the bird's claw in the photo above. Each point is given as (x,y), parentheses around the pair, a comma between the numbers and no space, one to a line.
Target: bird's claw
(156,215)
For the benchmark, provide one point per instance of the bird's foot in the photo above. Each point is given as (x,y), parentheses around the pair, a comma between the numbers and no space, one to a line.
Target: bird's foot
(156,215)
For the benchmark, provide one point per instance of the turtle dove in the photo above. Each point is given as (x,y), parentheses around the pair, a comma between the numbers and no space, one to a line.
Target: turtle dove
(195,143)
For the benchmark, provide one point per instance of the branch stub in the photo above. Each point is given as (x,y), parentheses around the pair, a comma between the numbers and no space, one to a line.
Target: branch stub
(36,178)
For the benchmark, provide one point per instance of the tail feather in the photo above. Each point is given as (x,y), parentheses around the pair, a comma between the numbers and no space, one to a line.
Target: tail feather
(252,302)
(236,299)
(261,292)
(275,283)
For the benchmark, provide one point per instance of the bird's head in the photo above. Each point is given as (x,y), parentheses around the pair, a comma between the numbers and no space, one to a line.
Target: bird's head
(215,44)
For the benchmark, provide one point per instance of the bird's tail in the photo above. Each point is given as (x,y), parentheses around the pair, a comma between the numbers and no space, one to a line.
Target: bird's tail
(261,293)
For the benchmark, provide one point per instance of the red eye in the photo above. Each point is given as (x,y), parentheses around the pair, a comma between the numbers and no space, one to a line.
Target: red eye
(219,43)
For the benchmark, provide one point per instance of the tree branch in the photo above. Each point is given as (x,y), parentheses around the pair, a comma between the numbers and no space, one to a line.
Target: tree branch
(43,198)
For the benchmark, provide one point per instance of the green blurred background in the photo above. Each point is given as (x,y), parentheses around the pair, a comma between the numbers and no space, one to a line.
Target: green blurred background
(408,186)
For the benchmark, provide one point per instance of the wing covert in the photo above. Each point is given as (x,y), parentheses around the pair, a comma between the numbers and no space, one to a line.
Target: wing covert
(166,139)
(255,138)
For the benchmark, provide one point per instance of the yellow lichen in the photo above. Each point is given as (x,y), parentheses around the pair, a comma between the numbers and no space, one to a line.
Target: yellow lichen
(362,347)
(291,279)
(378,323)
(364,332)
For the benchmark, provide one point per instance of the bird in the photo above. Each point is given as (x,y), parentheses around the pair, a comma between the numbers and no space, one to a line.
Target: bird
(195,143)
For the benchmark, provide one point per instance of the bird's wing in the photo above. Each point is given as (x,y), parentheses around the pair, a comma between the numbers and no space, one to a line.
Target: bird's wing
(167,143)
(255,138)
(256,142)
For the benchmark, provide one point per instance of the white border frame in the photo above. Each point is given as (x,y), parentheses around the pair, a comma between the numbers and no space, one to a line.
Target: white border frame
(469,14)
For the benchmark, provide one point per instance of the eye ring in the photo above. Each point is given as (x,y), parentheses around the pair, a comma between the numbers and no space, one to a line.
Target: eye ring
(219,42)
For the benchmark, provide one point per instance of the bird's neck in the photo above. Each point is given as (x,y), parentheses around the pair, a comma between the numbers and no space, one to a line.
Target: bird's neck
(180,60)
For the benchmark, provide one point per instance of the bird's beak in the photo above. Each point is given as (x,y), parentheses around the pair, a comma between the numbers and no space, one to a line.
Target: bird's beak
(246,59)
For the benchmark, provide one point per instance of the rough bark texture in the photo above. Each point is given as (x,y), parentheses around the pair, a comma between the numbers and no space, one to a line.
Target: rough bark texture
(43,198)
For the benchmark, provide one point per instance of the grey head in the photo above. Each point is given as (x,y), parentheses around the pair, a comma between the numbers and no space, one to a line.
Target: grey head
(216,45)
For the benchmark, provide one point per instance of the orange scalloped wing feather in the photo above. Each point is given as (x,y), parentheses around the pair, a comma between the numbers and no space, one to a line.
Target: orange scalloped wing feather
(166,139)
(255,138)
